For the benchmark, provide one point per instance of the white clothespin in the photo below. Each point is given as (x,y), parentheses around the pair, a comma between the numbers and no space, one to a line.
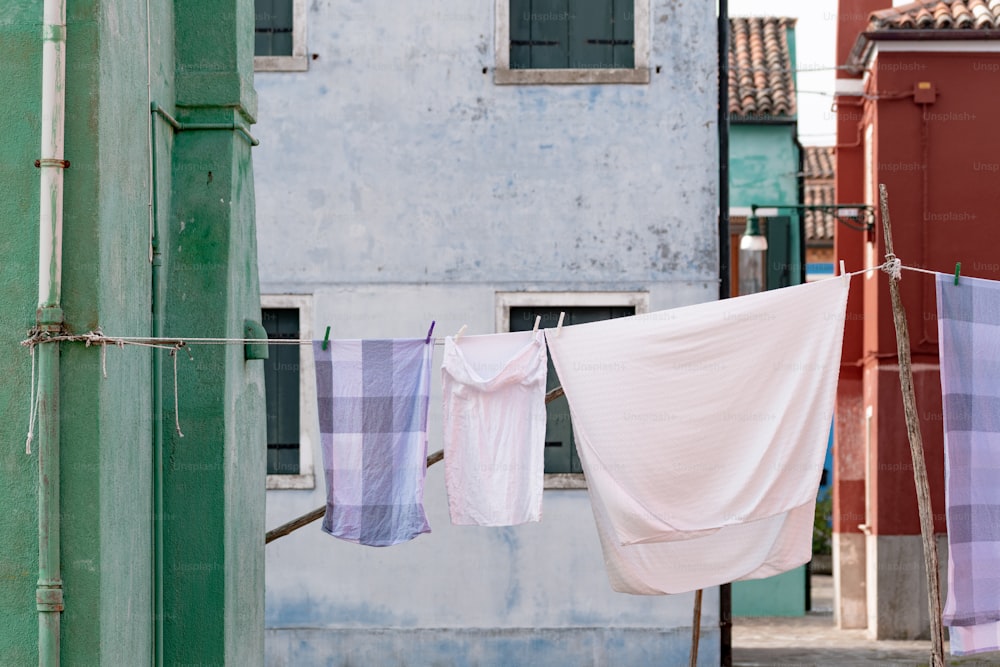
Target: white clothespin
(843,271)
(562,315)
(461,331)
(538,320)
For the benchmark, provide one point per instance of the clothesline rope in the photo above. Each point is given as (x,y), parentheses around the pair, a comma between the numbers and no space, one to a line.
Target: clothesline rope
(892,267)
(177,411)
(97,337)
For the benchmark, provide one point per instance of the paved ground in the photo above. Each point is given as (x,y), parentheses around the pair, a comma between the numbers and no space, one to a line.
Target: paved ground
(814,641)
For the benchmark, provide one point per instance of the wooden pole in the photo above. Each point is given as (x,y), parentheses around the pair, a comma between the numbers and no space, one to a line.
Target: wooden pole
(916,447)
(696,628)
(317,514)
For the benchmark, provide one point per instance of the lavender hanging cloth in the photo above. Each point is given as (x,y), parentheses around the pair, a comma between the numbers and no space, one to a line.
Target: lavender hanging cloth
(372,400)
(969,335)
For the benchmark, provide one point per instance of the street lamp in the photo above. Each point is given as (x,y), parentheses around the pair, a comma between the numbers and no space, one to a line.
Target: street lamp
(753,251)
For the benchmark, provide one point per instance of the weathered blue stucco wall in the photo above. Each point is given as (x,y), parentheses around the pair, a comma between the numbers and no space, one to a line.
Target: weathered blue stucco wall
(395,159)
(488,596)
(397,183)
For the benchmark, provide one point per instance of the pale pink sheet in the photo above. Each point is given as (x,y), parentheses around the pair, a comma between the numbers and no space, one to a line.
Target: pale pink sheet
(702,432)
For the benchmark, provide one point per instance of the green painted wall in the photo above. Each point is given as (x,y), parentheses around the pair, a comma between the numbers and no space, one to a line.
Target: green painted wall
(106,423)
(20,62)
(215,524)
(213,477)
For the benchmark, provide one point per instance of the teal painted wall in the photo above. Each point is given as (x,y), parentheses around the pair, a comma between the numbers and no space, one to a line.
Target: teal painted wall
(763,168)
(764,156)
(781,595)
(216,521)
(764,165)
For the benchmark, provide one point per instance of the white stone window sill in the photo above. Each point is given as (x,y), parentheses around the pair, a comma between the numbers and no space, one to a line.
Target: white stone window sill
(567,480)
(505,76)
(280,63)
(290,482)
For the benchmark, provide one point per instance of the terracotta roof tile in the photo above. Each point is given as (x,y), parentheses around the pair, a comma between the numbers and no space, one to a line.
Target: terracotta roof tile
(761,80)
(819,170)
(818,162)
(938,15)
(928,19)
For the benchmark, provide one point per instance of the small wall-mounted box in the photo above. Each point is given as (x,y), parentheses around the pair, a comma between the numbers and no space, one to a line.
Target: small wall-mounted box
(924,92)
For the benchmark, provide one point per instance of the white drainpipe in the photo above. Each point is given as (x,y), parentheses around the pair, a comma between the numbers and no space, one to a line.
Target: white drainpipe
(49,319)
(52,163)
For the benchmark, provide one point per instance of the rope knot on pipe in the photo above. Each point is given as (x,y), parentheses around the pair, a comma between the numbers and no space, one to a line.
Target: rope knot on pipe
(35,337)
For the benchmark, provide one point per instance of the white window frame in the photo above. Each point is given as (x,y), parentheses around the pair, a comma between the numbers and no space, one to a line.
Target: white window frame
(308,417)
(503,74)
(298,61)
(507,300)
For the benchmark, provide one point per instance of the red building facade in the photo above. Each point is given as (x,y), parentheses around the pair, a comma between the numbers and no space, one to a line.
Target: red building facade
(917,111)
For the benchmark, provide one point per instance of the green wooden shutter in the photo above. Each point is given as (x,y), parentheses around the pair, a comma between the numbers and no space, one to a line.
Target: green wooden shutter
(281,384)
(520,34)
(560,445)
(550,34)
(624,34)
(577,34)
(273,27)
(559,450)
(592,34)
(779,252)
(601,34)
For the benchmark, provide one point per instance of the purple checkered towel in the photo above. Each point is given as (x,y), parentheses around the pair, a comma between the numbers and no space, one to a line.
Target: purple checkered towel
(372,401)
(969,335)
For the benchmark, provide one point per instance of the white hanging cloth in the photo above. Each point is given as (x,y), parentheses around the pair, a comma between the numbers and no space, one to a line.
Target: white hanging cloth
(702,433)
(494,427)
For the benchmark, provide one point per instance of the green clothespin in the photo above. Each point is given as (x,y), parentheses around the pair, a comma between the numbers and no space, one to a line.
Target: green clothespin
(958,271)
(326,337)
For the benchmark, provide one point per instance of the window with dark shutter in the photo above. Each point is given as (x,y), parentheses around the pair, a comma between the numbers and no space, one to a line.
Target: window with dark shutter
(273,23)
(782,267)
(281,382)
(572,34)
(560,447)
